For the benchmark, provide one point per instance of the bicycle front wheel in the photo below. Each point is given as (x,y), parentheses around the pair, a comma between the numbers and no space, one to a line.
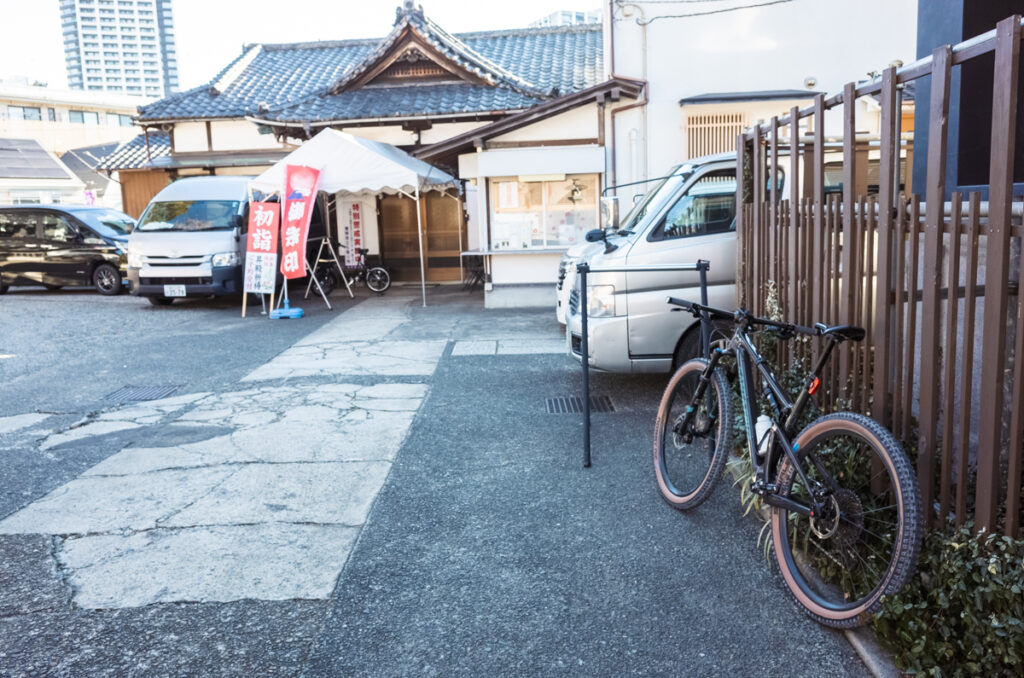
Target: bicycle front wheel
(865,541)
(689,456)
(378,279)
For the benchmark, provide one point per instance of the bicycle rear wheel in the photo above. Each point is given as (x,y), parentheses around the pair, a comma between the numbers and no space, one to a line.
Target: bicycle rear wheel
(864,544)
(378,279)
(689,461)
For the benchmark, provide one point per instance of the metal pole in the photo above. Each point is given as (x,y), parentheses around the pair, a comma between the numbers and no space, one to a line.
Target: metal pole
(705,326)
(583,269)
(419,230)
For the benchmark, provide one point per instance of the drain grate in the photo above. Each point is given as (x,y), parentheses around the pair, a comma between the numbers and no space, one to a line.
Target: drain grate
(129,394)
(574,404)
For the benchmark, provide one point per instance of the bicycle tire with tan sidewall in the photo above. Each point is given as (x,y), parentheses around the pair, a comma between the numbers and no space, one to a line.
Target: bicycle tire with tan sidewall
(909,529)
(719,387)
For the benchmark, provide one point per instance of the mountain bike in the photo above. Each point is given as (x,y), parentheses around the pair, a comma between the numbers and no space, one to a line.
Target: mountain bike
(846,517)
(376,278)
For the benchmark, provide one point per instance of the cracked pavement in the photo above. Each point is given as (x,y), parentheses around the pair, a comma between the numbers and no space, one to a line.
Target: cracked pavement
(379,494)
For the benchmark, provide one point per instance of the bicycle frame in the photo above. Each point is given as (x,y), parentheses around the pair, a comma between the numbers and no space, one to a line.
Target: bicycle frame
(786,409)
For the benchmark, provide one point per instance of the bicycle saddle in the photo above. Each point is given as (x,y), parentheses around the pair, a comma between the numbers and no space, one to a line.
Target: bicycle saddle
(842,332)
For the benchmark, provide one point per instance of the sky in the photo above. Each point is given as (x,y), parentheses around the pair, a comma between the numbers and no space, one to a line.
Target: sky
(211,32)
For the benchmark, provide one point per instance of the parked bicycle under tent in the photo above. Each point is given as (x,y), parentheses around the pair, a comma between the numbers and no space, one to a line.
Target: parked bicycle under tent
(353,167)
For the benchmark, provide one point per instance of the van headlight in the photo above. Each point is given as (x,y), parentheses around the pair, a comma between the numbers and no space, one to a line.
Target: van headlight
(600,301)
(224,259)
(134,259)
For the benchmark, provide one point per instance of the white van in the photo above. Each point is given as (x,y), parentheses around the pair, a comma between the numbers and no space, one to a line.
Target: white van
(690,215)
(615,230)
(189,241)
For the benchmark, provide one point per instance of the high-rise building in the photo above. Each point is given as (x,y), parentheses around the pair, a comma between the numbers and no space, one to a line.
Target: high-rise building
(124,46)
(568,18)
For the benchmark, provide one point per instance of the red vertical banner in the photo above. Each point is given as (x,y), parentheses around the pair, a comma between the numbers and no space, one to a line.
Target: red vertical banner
(299,193)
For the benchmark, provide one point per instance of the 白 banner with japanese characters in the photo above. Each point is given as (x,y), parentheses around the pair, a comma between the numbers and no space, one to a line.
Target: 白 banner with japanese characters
(353,236)
(261,249)
(299,192)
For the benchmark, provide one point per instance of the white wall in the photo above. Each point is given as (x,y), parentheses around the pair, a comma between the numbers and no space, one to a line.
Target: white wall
(762,48)
(238,135)
(190,137)
(512,269)
(578,123)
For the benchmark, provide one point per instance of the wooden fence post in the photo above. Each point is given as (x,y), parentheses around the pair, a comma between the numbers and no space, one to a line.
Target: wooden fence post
(848,294)
(881,407)
(931,336)
(1004,115)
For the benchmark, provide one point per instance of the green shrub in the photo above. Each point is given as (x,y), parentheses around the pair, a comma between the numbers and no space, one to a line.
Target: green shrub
(963,614)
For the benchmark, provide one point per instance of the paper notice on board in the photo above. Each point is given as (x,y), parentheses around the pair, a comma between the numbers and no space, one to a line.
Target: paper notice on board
(508,195)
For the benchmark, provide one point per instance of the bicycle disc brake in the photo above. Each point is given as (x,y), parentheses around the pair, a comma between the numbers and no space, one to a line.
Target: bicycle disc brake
(841,523)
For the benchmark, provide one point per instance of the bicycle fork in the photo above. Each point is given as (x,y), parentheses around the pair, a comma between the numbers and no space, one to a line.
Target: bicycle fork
(683,427)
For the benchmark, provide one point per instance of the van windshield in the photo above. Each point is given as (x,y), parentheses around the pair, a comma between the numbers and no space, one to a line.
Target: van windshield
(186,215)
(666,187)
(109,223)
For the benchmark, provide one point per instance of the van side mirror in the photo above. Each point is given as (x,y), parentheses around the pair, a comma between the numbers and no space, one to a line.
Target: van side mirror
(610,212)
(597,235)
(236,224)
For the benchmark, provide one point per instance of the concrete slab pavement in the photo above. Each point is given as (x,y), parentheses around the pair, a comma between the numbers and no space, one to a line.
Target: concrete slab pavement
(422,516)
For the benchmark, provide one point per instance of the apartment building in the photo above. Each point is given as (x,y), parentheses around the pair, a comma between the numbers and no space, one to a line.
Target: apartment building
(61,119)
(122,46)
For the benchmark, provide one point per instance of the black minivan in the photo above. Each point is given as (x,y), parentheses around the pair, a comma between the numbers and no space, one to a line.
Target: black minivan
(57,245)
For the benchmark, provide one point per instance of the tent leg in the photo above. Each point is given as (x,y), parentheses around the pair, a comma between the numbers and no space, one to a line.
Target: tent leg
(318,288)
(309,285)
(419,230)
(341,269)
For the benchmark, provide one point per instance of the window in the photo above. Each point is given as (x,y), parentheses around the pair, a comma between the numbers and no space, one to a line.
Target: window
(51,115)
(18,225)
(84,117)
(55,228)
(707,207)
(24,113)
(551,211)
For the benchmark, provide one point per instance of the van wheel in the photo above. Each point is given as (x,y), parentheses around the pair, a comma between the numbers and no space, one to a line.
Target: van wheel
(160,301)
(107,280)
(3,288)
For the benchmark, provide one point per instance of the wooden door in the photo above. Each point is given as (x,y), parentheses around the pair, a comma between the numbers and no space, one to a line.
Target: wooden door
(443,237)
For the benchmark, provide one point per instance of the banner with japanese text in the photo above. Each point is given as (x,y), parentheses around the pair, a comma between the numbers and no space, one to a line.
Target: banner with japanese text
(261,247)
(353,236)
(299,193)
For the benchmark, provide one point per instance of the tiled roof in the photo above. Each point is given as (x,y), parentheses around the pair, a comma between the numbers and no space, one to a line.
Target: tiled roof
(132,153)
(380,102)
(523,67)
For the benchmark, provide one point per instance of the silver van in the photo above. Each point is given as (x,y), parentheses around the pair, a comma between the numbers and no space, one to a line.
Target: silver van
(690,215)
(189,240)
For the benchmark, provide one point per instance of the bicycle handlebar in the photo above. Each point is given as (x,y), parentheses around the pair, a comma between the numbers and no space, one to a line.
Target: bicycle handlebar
(741,315)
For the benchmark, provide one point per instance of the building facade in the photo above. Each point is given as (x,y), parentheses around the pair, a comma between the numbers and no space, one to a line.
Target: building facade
(713,71)
(530,105)
(123,46)
(61,120)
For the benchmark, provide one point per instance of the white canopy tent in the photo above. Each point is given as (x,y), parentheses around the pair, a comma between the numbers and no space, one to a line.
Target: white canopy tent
(350,165)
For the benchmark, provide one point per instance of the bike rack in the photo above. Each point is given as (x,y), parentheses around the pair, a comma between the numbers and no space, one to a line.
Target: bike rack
(702,266)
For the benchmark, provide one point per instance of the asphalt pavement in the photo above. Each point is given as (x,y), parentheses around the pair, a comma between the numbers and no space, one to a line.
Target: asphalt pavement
(467,537)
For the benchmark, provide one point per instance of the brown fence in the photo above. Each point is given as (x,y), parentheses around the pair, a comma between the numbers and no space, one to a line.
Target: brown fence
(935,283)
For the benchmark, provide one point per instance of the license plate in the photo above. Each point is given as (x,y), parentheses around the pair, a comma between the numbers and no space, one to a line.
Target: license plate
(174,290)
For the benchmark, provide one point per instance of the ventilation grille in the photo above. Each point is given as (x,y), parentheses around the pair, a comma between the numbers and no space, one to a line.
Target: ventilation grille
(129,394)
(713,133)
(574,404)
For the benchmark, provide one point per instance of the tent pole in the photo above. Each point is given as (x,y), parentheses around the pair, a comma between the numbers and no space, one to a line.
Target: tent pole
(419,230)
